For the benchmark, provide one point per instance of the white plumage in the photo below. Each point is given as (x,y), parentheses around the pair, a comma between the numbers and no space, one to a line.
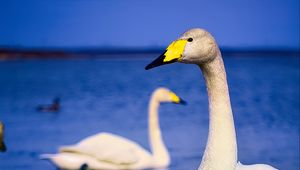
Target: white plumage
(102,151)
(111,152)
(197,46)
(240,166)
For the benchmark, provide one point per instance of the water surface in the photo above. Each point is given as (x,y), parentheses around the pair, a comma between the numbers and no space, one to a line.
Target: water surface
(112,95)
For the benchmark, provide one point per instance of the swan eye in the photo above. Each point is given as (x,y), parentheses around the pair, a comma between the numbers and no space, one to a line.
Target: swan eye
(190,39)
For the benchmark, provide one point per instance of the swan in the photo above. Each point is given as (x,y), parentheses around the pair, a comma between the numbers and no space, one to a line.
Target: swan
(109,151)
(2,144)
(197,46)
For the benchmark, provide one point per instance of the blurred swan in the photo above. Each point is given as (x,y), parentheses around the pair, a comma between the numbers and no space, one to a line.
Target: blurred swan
(2,144)
(197,46)
(108,151)
(54,107)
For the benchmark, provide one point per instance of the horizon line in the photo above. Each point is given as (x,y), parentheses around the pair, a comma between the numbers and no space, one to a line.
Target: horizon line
(17,53)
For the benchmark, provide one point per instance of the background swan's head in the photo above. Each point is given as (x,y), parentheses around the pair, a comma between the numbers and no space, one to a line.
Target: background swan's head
(195,46)
(165,95)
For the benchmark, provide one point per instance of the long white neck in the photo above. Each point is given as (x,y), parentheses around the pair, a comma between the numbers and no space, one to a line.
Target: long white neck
(221,149)
(159,150)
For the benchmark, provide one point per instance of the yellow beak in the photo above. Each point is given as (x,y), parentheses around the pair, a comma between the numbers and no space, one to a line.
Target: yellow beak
(172,54)
(176,99)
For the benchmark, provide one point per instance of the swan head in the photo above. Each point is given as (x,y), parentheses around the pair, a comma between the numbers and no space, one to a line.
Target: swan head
(164,95)
(195,46)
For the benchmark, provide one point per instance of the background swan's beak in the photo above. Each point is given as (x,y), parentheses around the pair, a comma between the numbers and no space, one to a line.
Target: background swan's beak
(183,102)
(175,99)
(2,147)
(159,61)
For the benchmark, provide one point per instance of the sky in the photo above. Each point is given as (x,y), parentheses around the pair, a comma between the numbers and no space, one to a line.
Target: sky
(268,24)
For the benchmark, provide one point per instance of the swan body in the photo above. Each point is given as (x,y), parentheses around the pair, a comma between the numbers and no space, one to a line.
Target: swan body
(102,151)
(240,166)
(111,152)
(197,46)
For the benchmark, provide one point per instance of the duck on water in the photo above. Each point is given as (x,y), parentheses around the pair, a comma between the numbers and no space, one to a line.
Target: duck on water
(54,107)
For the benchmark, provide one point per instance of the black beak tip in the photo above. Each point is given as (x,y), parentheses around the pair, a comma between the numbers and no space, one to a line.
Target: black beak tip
(148,67)
(183,102)
(157,62)
(3,147)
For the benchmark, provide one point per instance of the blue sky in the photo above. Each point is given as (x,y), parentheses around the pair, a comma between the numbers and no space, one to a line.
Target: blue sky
(151,23)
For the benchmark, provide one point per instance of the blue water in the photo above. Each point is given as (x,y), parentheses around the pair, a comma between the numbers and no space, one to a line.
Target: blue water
(112,95)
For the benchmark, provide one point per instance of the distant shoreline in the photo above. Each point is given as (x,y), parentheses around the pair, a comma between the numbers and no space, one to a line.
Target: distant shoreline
(23,53)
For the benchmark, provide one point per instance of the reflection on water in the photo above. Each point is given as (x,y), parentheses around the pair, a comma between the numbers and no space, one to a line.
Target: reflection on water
(112,96)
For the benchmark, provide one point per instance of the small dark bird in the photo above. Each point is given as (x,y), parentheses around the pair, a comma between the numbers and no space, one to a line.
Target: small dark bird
(2,144)
(54,107)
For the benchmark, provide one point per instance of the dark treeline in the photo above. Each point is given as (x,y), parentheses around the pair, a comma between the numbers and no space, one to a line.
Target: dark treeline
(26,53)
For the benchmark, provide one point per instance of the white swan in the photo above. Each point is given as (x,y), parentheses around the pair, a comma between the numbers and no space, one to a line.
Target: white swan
(197,46)
(108,151)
